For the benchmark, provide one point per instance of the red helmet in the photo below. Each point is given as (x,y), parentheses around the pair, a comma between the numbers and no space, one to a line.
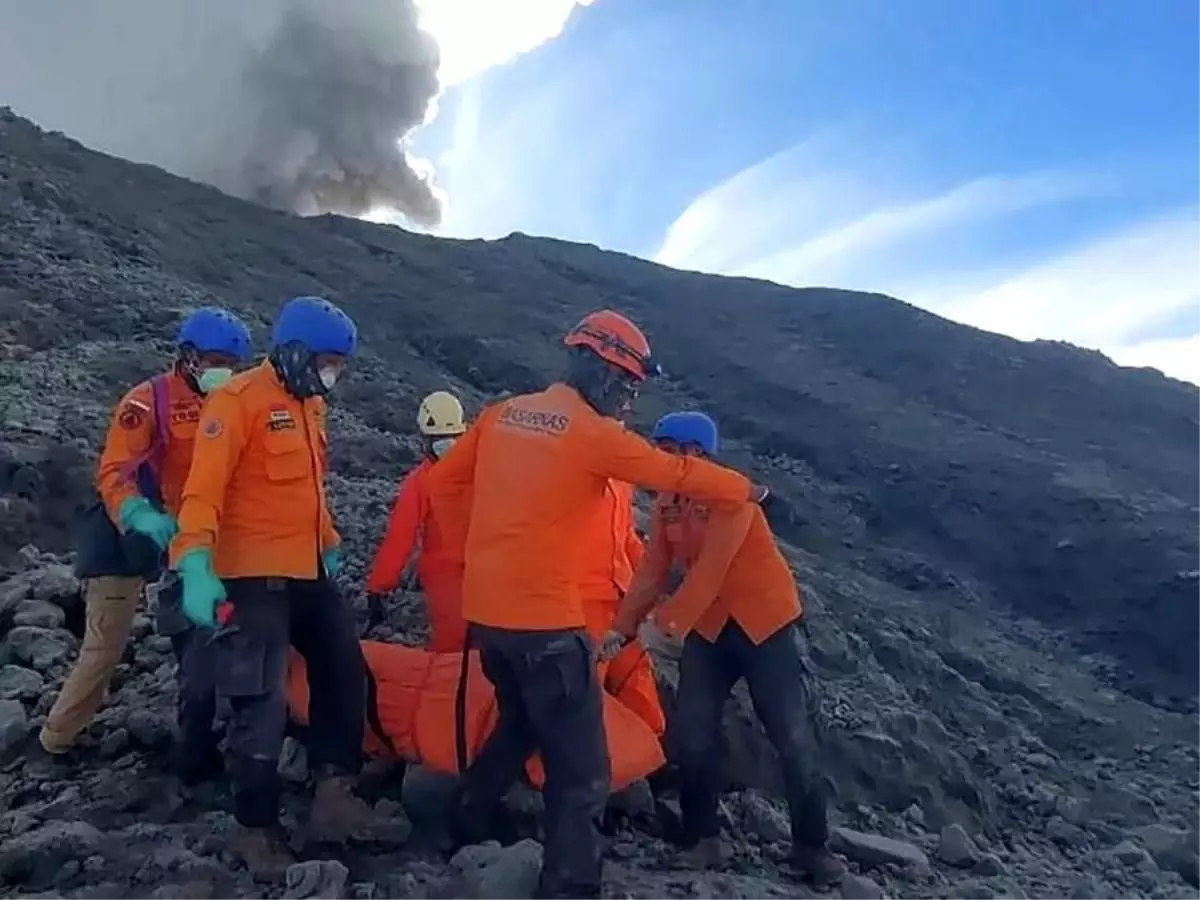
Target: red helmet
(614,339)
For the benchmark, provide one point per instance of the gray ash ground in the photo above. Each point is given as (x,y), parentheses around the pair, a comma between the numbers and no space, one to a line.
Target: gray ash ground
(997,540)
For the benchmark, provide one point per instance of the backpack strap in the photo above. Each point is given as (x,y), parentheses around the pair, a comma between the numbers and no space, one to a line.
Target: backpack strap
(161,400)
(460,706)
(145,468)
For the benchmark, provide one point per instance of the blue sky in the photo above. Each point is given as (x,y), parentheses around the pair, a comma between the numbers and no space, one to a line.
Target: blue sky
(1027,166)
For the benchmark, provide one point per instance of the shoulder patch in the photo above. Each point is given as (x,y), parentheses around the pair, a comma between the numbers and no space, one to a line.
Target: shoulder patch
(212,428)
(139,397)
(131,416)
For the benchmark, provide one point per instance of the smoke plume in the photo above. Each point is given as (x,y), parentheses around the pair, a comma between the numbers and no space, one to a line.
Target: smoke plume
(304,105)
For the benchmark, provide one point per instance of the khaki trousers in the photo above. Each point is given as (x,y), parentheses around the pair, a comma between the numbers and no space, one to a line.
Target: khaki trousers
(111,603)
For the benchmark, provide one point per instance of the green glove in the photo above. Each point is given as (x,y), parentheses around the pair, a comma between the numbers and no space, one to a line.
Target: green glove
(202,589)
(139,515)
(331,559)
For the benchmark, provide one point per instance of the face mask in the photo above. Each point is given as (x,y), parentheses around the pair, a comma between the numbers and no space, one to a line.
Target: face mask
(211,379)
(329,378)
(441,446)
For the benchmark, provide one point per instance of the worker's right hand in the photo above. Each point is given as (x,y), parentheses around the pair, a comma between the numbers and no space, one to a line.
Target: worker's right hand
(202,589)
(612,644)
(139,515)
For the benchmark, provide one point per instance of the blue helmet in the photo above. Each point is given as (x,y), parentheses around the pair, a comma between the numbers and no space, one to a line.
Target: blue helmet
(317,324)
(693,428)
(212,330)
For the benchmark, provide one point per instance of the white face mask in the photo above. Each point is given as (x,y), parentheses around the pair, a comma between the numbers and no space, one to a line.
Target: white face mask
(441,446)
(211,379)
(329,377)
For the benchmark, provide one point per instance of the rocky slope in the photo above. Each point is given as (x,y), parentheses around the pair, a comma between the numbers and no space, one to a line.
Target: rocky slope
(998,541)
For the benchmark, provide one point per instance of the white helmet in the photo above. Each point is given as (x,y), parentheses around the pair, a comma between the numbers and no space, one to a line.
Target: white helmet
(441,415)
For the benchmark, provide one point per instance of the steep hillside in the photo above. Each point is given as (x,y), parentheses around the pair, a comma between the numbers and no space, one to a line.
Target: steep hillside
(1043,477)
(991,532)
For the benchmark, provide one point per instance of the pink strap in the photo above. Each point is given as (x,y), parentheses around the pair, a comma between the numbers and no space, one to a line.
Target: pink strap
(160,401)
(162,404)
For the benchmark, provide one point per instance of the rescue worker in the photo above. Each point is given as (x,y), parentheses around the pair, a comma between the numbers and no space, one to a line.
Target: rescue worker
(539,465)
(737,611)
(257,551)
(610,553)
(415,525)
(139,480)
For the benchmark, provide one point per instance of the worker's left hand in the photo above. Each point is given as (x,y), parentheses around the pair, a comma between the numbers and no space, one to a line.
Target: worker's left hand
(331,559)
(139,516)
(202,589)
(612,644)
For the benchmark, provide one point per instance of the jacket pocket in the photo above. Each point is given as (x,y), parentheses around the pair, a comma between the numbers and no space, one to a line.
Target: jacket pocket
(241,662)
(287,458)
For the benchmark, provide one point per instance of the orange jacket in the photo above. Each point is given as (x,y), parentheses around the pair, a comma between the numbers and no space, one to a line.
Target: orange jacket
(539,465)
(131,433)
(611,548)
(256,491)
(734,568)
(610,553)
(415,517)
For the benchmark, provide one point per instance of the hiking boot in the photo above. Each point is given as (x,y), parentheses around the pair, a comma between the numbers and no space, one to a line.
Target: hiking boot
(820,864)
(48,760)
(263,851)
(469,823)
(339,815)
(50,748)
(706,853)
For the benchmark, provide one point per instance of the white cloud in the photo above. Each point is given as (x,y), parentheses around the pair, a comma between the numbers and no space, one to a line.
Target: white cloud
(834,251)
(1179,358)
(760,209)
(1103,293)
(475,35)
(808,215)
(1100,292)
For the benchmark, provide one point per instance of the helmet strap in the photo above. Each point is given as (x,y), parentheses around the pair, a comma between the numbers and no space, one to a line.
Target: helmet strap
(187,366)
(608,389)
(297,369)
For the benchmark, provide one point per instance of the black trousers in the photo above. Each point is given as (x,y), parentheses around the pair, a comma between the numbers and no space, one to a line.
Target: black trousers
(778,680)
(549,702)
(196,707)
(195,658)
(269,614)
